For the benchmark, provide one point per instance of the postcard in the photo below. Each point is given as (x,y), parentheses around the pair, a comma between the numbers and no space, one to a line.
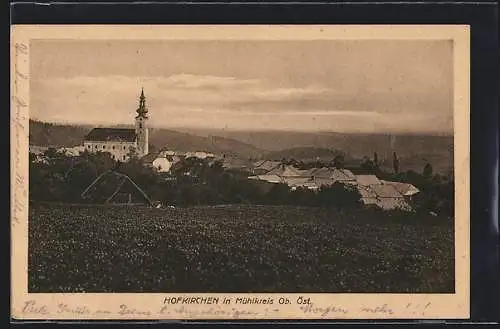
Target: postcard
(240,172)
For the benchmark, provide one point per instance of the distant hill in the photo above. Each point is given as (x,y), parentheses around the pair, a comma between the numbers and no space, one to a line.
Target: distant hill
(302,153)
(57,135)
(61,135)
(414,150)
(179,141)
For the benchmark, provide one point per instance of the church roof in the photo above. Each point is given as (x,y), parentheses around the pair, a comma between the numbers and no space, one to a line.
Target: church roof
(111,134)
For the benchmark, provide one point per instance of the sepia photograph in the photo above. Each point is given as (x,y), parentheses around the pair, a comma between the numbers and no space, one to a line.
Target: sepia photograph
(242,166)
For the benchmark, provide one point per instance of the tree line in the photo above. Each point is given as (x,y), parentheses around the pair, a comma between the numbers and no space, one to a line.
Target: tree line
(62,178)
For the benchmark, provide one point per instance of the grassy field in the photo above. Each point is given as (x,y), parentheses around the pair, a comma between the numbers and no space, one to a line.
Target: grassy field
(236,248)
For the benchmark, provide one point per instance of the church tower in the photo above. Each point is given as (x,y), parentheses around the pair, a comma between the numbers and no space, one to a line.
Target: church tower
(141,128)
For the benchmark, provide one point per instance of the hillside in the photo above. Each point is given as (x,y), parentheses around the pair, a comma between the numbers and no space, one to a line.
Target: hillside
(302,153)
(440,162)
(59,135)
(413,150)
(179,141)
(357,144)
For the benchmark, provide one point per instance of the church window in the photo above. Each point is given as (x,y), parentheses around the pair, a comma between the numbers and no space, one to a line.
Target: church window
(88,146)
(123,157)
(104,146)
(124,147)
(113,147)
(140,125)
(96,146)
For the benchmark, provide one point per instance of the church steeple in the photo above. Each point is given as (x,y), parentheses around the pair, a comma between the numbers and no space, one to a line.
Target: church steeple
(141,128)
(142,111)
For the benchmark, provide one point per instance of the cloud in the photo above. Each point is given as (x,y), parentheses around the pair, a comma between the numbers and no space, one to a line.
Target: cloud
(205,81)
(182,91)
(213,101)
(278,94)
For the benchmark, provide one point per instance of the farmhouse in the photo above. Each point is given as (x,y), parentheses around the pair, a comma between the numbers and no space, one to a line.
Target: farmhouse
(199,155)
(37,152)
(163,163)
(328,176)
(380,193)
(383,196)
(264,166)
(164,160)
(367,180)
(403,188)
(72,151)
(120,142)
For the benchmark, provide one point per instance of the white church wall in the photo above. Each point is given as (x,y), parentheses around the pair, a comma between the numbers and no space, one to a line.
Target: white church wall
(118,150)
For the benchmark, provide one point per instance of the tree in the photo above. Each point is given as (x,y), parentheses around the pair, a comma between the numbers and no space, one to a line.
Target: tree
(375,158)
(60,177)
(339,196)
(278,194)
(303,196)
(395,163)
(368,164)
(339,159)
(427,172)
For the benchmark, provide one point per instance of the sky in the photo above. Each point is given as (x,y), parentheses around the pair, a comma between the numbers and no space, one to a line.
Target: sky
(316,85)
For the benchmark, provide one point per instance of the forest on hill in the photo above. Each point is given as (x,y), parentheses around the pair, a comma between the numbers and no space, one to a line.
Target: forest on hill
(414,151)
(64,135)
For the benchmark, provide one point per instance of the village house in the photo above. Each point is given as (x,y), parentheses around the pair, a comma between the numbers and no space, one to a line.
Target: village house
(37,152)
(264,166)
(164,160)
(72,151)
(380,193)
(199,155)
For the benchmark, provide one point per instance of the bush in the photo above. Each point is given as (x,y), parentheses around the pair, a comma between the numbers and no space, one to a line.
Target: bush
(59,177)
(339,196)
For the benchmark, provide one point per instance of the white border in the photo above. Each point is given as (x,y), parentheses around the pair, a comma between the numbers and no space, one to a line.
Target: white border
(148,306)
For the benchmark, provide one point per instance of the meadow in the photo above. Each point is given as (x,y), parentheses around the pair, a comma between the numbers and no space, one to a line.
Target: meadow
(237,248)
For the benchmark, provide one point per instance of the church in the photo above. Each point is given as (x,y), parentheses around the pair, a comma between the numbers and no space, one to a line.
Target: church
(120,142)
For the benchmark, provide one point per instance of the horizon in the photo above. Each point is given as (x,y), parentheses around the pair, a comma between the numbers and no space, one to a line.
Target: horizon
(197,131)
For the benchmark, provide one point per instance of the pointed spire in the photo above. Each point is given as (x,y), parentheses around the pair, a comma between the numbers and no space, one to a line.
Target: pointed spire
(142,110)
